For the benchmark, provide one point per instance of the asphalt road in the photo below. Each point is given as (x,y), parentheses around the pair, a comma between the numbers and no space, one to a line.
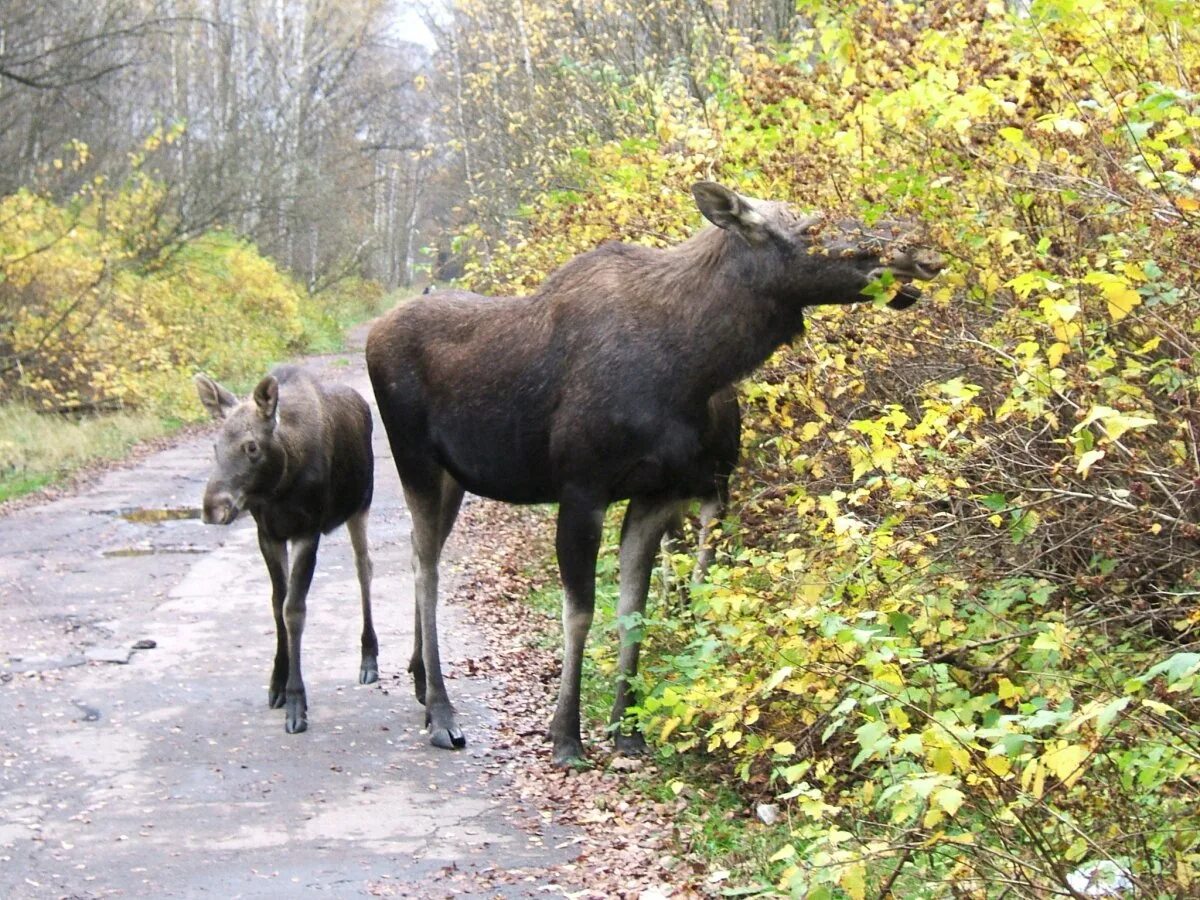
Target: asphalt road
(161,772)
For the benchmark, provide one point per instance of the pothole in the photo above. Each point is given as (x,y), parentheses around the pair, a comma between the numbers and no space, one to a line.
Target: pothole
(153,551)
(140,515)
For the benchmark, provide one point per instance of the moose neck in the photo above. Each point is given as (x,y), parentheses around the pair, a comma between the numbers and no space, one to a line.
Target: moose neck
(735,314)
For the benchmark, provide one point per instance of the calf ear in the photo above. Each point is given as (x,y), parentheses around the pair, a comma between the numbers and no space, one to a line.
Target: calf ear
(731,211)
(218,401)
(266,397)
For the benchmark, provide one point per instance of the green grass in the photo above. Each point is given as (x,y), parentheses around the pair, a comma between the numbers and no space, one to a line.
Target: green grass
(39,450)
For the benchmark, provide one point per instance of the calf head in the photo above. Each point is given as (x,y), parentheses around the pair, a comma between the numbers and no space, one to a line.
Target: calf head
(250,459)
(811,259)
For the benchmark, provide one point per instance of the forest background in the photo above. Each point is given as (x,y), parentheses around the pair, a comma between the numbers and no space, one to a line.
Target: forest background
(952,631)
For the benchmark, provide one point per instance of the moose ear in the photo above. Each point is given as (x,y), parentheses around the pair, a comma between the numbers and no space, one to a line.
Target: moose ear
(266,397)
(218,401)
(731,211)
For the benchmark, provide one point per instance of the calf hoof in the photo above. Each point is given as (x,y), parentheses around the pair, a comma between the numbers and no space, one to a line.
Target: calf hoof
(632,744)
(448,738)
(369,672)
(296,720)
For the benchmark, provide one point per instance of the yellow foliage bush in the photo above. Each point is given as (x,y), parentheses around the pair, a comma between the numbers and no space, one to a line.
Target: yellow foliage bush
(94,315)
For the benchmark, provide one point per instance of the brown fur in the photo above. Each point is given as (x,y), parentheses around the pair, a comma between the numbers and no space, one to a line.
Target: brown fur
(597,388)
(296,454)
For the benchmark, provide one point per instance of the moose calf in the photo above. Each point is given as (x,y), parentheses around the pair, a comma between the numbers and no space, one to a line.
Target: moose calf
(296,454)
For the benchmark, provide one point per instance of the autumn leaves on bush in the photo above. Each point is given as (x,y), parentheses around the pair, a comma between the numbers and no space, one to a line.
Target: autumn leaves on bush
(956,626)
(103,306)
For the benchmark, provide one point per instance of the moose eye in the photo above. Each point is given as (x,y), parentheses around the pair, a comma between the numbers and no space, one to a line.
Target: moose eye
(251,448)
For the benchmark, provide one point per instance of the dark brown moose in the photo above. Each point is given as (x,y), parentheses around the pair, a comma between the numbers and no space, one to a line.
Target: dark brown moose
(296,454)
(596,388)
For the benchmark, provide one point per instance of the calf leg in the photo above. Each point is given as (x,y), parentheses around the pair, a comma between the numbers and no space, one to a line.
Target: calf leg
(294,611)
(578,541)
(433,503)
(641,532)
(275,554)
(368,672)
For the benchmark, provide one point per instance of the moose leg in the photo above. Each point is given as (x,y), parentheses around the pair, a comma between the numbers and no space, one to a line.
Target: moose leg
(641,532)
(711,511)
(294,610)
(577,541)
(433,512)
(449,497)
(275,554)
(368,672)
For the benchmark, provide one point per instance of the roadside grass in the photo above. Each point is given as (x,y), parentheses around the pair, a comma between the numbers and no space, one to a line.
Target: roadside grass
(38,450)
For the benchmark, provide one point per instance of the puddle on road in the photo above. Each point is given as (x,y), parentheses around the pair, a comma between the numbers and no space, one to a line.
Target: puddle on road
(152,551)
(150,516)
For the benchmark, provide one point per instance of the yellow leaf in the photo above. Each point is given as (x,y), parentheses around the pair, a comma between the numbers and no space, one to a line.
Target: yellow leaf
(941,760)
(1056,351)
(784,748)
(1006,690)
(787,851)
(949,799)
(1121,302)
(1066,761)
(670,725)
(1087,461)
(854,881)
(998,765)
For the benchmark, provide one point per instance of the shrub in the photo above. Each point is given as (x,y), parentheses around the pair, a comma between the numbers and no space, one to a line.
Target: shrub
(956,626)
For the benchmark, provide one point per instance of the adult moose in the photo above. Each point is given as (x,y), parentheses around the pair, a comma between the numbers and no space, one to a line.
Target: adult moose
(596,388)
(297,454)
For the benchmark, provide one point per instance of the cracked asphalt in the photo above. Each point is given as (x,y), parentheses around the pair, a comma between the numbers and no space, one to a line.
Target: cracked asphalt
(160,771)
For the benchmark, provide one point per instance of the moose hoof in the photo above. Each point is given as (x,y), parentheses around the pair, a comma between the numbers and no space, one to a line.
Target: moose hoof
(569,755)
(297,718)
(369,673)
(276,699)
(448,738)
(632,745)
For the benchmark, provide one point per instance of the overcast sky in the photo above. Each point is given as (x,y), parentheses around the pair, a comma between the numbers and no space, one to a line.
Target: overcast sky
(409,26)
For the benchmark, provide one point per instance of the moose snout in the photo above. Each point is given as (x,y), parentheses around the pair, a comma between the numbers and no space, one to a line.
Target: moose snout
(909,265)
(927,264)
(914,264)
(219,508)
